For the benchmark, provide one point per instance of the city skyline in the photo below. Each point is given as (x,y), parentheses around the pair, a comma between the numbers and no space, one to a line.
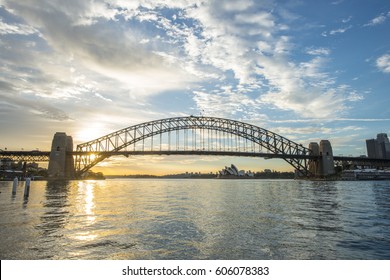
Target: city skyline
(307,71)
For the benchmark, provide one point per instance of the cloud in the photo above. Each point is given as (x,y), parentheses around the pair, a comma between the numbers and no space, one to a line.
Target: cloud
(37,107)
(261,19)
(20,29)
(345,20)
(354,96)
(313,120)
(80,30)
(318,51)
(226,102)
(339,30)
(319,129)
(383,63)
(233,58)
(296,87)
(378,20)
(306,104)
(304,89)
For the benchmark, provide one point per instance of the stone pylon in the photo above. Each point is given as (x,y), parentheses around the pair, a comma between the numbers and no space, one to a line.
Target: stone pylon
(326,166)
(314,164)
(61,165)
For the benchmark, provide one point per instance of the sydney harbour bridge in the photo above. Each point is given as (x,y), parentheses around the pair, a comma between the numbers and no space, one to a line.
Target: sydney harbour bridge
(191,135)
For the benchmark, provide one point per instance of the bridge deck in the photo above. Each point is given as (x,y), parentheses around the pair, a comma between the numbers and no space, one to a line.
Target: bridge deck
(41,156)
(198,152)
(29,156)
(363,161)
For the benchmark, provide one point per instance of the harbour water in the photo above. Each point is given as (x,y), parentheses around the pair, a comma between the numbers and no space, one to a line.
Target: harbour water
(196,219)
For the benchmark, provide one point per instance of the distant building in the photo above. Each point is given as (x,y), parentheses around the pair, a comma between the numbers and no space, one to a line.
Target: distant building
(379,147)
(372,148)
(384,145)
(234,172)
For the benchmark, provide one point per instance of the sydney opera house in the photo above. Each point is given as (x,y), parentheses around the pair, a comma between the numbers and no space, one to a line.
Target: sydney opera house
(233,172)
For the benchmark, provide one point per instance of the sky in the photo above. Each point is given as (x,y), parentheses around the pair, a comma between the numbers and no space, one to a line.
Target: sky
(308,70)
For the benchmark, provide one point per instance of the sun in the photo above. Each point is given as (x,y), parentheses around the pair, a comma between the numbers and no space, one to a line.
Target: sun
(92,157)
(90,133)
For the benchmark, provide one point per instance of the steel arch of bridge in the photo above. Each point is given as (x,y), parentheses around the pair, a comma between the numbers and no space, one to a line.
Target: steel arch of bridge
(90,153)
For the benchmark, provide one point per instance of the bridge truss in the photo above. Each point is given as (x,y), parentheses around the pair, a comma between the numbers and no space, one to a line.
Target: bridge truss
(192,135)
(25,156)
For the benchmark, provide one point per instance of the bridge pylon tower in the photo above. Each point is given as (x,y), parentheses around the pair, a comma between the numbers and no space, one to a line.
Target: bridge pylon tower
(323,166)
(61,164)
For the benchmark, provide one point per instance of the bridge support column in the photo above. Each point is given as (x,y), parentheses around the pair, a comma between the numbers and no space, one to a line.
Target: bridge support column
(326,165)
(61,165)
(314,164)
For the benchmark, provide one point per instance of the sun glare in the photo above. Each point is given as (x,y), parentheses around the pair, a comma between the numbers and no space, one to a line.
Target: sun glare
(89,133)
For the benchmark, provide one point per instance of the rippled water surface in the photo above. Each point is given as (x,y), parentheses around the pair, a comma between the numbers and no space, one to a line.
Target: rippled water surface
(196,219)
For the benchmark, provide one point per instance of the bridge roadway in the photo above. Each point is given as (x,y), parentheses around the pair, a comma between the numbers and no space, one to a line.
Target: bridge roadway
(42,156)
(362,161)
(29,156)
(197,152)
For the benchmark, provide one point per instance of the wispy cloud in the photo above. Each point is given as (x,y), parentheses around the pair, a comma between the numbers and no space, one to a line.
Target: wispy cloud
(226,102)
(345,20)
(337,31)
(337,2)
(20,29)
(318,51)
(313,120)
(38,107)
(317,130)
(380,19)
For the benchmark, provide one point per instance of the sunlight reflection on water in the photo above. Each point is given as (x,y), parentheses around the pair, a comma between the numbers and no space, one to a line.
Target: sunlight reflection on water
(196,219)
